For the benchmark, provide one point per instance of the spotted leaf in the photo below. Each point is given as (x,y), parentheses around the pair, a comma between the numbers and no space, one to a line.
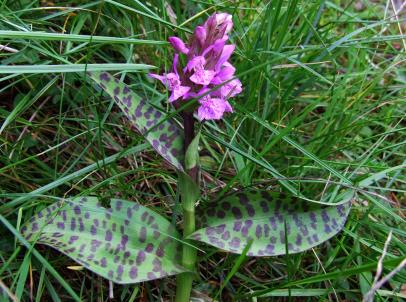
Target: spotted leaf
(273,221)
(126,243)
(166,138)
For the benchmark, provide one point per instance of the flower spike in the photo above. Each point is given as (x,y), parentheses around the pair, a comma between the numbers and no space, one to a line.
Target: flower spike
(207,69)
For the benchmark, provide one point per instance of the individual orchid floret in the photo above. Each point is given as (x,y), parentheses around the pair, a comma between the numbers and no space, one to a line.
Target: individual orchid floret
(229,90)
(207,75)
(201,76)
(212,108)
(172,82)
(224,74)
(178,45)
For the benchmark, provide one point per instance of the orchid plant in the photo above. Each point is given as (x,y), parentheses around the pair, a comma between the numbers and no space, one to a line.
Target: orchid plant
(130,243)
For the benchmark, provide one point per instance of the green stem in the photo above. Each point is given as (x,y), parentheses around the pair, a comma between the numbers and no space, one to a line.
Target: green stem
(185,280)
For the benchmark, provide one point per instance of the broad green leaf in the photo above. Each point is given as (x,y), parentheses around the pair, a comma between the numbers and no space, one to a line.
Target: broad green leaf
(264,216)
(126,243)
(166,138)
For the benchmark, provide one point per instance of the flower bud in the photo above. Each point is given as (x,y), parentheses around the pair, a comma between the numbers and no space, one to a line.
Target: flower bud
(178,45)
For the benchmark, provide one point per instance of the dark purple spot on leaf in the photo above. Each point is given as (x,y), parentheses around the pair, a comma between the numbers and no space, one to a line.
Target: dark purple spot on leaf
(104,76)
(243,198)
(210,231)
(272,221)
(264,205)
(269,249)
(211,211)
(266,230)
(77,210)
(325,216)
(236,212)
(72,239)
(237,226)
(120,270)
(226,235)
(174,152)
(226,205)
(298,239)
(220,228)
(143,234)
(250,210)
(140,257)
(313,217)
(95,245)
(221,214)
(150,219)
(124,241)
(157,265)
(119,205)
(133,272)
(235,242)
(93,230)
(149,248)
(151,276)
(81,225)
(73,224)
(303,229)
(160,251)
(258,231)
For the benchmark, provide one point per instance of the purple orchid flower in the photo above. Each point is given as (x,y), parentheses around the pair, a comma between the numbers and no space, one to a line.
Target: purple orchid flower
(172,82)
(207,69)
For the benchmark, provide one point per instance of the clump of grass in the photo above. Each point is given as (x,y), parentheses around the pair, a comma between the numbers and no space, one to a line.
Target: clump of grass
(322,109)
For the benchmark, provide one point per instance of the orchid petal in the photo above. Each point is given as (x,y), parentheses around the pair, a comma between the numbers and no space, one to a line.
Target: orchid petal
(226,72)
(200,33)
(211,108)
(157,77)
(225,19)
(225,55)
(202,77)
(231,89)
(178,92)
(175,64)
(196,63)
